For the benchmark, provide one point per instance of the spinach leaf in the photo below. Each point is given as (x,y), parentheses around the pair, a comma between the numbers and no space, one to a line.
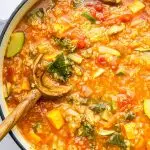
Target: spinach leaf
(66,44)
(98,108)
(61,68)
(37,127)
(86,130)
(36,15)
(77,3)
(130,116)
(117,140)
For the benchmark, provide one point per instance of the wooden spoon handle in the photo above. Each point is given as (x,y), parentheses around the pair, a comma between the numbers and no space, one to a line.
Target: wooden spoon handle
(18,112)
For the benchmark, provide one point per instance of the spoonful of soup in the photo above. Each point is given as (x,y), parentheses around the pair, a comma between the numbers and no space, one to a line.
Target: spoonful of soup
(46,84)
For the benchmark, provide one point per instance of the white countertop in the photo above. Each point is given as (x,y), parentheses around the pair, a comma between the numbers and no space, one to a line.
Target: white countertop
(6,8)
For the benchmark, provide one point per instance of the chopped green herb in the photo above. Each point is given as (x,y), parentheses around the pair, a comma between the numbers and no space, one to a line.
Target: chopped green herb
(66,44)
(61,68)
(89,17)
(86,130)
(35,15)
(130,116)
(98,108)
(77,3)
(36,127)
(117,128)
(117,140)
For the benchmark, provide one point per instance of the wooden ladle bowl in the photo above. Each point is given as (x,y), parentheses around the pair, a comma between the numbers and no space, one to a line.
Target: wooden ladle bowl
(45,86)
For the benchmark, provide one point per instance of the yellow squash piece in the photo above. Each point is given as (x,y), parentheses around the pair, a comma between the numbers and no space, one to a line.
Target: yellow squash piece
(25,84)
(34,136)
(60,28)
(136,6)
(56,118)
(43,47)
(130,130)
(147,107)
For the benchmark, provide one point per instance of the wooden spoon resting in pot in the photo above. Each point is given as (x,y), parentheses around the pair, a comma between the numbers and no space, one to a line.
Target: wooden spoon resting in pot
(45,86)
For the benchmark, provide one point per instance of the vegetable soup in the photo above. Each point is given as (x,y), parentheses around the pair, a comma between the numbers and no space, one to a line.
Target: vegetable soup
(96,51)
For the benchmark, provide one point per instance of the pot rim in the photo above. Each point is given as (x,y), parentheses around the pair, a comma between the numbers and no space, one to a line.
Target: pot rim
(1,39)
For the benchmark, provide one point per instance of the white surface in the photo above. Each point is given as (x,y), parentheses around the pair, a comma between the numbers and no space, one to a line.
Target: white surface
(6,8)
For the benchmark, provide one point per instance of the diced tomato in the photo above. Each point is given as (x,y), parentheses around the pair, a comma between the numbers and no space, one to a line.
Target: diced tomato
(98,7)
(124,102)
(114,67)
(101,60)
(81,43)
(125,18)
(77,35)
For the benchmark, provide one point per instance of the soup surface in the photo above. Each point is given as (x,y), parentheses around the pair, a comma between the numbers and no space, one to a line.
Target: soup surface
(101,50)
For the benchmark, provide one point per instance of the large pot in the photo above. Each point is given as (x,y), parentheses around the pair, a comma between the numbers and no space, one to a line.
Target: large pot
(17,15)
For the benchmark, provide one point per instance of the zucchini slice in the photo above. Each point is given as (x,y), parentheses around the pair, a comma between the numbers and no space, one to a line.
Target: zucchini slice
(16,44)
(107,50)
(140,49)
(106,132)
(147,107)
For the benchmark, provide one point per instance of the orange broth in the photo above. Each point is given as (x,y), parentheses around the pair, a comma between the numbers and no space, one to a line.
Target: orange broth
(108,87)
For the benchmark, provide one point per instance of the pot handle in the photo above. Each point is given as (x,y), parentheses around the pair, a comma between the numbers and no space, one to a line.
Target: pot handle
(21,110)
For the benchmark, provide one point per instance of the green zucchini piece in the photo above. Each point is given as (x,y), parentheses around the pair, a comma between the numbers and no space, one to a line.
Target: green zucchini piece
(76,58)
(77,3)
(147,107)
(106,132)
(106,115)
(116,29)
(121,71)
(114,105)
(140,49)
(107,50)
(16,44)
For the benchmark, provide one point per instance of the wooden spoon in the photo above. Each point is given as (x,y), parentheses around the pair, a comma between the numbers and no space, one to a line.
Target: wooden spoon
(33,96)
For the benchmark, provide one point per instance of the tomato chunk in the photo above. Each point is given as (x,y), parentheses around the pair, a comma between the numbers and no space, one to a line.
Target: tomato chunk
(81,43)
(124,101)
(125,18)
(98,7)
(101,60)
